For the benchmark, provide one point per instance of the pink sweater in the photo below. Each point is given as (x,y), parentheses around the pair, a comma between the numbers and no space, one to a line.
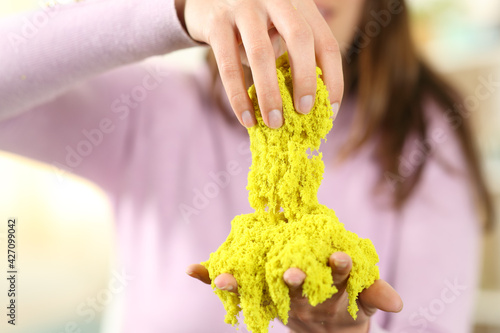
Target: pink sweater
(175,169)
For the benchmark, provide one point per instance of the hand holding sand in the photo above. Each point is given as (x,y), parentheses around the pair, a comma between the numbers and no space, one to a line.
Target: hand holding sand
(291,237)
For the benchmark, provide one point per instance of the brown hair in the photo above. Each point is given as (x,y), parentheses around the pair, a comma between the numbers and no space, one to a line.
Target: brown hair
(392,83)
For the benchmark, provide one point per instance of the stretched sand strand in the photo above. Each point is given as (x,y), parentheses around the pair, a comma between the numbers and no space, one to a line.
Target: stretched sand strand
(289,228)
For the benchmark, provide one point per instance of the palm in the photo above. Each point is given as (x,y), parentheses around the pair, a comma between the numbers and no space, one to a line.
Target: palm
(331,315)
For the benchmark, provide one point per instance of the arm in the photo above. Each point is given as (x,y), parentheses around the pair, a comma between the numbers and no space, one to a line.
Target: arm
(77,42)
(48,112)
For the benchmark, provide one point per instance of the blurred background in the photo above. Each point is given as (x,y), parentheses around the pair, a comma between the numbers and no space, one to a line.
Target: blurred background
(460,38)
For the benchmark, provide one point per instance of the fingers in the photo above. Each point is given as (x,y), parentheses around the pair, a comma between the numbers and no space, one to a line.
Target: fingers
(260,53)
(279,47)
(199,272)
(328,55)
(382,296)
(299,39)
(341,264)
(225,47)
(294,278)
(227,282)
(278,43)
(308,39)
(224,281)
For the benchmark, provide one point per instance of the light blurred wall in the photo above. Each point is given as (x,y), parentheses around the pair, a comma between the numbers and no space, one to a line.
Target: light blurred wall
(63,245)
(10,7)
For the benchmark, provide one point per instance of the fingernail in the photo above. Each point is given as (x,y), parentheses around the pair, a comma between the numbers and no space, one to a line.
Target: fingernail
(275,119)
(226,287)
(247,119)
(335,109)
(294,283)
(339,263)
(306,104)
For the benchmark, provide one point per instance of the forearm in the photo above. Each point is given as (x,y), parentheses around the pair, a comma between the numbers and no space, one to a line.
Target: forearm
(40,60)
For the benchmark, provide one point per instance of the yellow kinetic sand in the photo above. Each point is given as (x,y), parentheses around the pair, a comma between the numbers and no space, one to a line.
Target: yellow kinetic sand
(289,228)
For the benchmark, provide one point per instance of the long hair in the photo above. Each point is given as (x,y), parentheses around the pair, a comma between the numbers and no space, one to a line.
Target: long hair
(391,83)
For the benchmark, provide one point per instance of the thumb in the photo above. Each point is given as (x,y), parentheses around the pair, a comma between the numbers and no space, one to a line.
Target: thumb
(199,272)
(381,296)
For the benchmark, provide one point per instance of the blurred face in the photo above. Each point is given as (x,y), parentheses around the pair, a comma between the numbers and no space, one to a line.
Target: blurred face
(343,16)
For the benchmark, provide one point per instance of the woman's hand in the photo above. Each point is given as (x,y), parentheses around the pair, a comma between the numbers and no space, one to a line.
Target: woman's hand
(227,24)
(331,315)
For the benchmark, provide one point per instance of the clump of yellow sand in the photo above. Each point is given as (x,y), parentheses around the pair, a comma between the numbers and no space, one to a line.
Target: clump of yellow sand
(289,228)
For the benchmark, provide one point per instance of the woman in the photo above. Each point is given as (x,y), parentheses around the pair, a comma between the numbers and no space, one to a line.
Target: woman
(161,145)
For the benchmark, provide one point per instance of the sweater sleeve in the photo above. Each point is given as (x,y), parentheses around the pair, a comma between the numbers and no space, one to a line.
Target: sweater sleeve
(47,51)
(437,267)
